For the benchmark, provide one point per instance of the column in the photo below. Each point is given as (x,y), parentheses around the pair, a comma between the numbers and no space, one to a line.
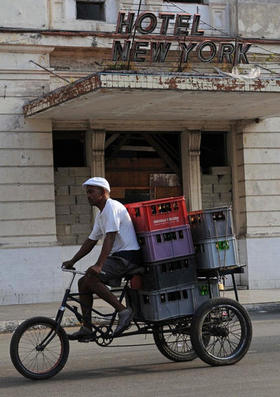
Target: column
(191,177)
(96,152)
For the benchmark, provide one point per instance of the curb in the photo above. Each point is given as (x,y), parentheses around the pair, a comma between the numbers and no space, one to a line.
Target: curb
(262,307)
(10,325)
(71,321)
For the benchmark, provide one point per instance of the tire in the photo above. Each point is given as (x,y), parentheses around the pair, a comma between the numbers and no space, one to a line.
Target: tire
(26,356)
(227,328)
(173,340)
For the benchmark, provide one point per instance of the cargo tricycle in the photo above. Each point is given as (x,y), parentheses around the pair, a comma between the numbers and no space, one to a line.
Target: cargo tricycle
(186,322)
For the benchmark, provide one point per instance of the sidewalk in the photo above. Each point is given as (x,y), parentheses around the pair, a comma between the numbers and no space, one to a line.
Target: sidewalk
(12,315)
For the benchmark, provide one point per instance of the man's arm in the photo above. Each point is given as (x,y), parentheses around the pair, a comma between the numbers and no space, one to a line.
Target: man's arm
(83,251)
(105,251)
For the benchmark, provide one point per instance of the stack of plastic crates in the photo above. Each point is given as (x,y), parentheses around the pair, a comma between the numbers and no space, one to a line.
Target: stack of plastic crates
(169,285)
(214,240)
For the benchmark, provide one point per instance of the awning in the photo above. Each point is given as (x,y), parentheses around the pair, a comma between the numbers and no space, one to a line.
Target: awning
(131,96)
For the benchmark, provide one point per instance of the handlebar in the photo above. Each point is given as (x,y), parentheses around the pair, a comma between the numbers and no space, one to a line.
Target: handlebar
(74,271)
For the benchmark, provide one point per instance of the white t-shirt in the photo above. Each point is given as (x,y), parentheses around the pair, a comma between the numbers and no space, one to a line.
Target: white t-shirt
(115,218)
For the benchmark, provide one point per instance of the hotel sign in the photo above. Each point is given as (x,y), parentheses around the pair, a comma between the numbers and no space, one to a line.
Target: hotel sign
(183,28)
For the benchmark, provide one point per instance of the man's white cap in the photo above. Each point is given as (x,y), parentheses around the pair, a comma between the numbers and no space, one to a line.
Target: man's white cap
(98,181)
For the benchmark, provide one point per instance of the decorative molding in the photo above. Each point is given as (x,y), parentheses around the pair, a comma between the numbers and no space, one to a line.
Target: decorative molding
(26,49)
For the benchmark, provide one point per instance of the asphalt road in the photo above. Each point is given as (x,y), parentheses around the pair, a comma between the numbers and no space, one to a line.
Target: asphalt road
(142,370)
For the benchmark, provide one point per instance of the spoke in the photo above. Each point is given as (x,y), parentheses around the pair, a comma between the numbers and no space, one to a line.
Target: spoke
(228,323)
(175,339)
(30,337)
(38,361)
(50,364)
(27,356)
(52,354)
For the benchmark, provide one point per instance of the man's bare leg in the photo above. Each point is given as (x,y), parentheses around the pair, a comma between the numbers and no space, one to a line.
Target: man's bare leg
(91,284)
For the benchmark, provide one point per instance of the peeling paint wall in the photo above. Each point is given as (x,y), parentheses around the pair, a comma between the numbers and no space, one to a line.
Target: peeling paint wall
(27,210)
(24,14)
(63,16)
(256,18)
(259,18)
(73,212)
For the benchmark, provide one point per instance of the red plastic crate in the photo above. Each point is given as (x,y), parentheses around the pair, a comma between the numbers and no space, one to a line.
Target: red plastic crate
(158,214)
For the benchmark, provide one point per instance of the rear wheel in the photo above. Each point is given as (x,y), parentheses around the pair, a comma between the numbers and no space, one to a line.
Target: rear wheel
(173,340)
(227,328)
(39,348)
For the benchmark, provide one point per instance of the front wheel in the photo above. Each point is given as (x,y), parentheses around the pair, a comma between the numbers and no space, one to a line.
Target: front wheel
(173,340)
(39,348)
(227,328)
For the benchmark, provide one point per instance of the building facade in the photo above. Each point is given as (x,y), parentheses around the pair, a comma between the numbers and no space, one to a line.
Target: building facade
(162,98)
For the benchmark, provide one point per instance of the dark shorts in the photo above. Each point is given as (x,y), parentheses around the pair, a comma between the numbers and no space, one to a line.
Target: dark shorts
(117,265)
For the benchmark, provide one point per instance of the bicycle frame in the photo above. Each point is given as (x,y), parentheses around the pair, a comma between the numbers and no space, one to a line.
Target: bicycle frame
(68,296)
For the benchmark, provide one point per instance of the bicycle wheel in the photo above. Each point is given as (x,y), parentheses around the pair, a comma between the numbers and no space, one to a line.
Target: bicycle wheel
(227,328)
(39,349)
(173,340)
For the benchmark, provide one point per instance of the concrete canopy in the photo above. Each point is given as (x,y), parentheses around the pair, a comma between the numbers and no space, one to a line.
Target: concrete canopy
(131,96)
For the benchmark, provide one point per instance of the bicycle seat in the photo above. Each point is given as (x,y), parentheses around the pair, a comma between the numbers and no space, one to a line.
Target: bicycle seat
(133,272)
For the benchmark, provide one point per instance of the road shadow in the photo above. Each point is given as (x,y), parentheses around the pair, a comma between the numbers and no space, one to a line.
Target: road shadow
(105,373)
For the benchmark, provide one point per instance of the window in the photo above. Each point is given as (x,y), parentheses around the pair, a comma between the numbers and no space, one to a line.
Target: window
(69,149)
(91,10)
(213,150)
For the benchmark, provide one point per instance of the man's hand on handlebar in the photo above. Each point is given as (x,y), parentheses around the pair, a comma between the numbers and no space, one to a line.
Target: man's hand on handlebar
(68,265)
(95,269)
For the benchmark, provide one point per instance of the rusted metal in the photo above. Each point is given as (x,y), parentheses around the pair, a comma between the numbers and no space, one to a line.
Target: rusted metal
(63,94)
(50,71)
(173,83)
(148,81)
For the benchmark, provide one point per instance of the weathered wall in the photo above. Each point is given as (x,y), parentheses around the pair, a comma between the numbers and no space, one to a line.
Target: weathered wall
(259,18)
(24,14)
(260,147)
(27,212)
(256,18)
(33,275)
(258,196)
(73,212)
(216,187)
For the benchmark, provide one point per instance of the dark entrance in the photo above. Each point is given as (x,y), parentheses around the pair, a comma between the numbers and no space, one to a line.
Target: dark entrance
(143,166)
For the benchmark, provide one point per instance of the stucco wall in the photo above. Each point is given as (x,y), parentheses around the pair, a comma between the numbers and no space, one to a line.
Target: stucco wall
(27,211)
(258,157)
(31,275)
(256,18)
(24,14)
(259,18)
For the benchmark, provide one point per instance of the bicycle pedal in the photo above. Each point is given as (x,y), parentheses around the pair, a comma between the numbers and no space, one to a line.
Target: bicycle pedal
(70,337)
(87,339)
(84,340)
